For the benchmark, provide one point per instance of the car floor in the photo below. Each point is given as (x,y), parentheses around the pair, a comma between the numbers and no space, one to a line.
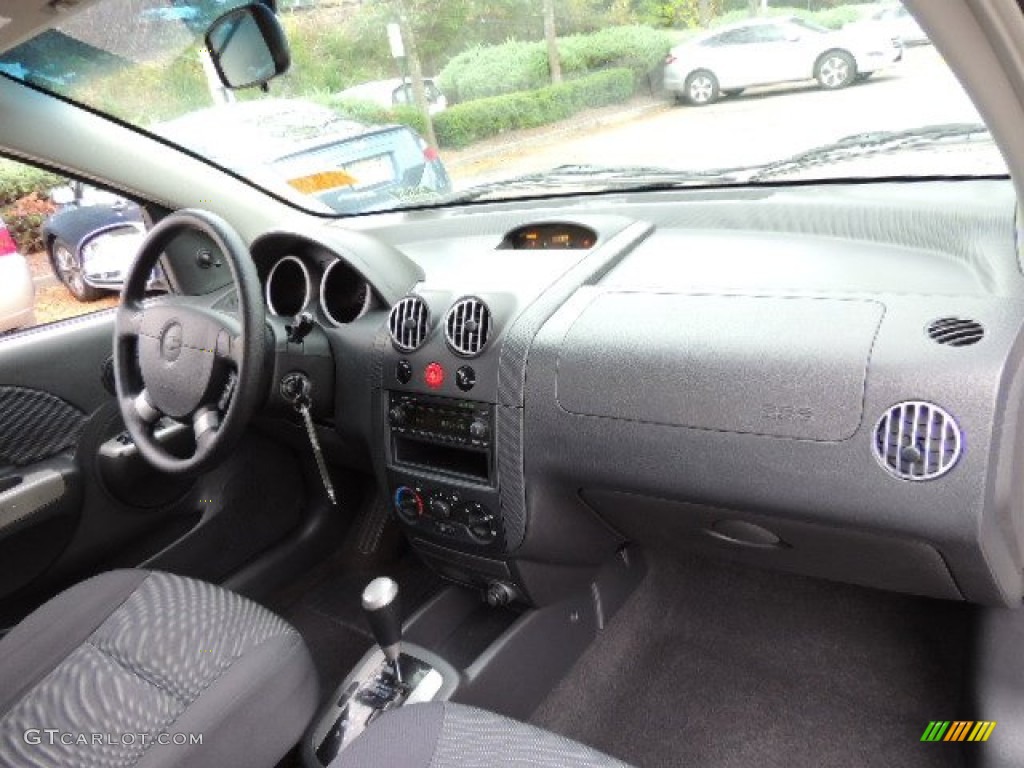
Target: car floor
(718,666)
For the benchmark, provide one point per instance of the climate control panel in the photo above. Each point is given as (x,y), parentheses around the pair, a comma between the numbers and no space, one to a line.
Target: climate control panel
(447,513)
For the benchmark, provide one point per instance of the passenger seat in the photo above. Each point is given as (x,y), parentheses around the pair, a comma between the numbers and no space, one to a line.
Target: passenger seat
(446,735)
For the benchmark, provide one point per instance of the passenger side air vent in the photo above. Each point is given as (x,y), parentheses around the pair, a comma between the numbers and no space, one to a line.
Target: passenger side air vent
(917,441)
(408,323)
(956,332)
(467,326)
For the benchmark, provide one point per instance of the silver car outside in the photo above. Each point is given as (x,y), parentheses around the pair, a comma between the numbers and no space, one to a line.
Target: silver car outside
(17,292)
(775,50)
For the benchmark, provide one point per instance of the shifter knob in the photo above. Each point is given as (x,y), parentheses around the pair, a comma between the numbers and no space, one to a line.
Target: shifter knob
(380,602)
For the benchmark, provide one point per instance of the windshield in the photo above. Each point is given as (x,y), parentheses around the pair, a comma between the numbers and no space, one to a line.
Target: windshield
(400,103)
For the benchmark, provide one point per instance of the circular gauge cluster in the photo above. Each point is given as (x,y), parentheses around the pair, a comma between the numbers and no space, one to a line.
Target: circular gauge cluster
(340,293)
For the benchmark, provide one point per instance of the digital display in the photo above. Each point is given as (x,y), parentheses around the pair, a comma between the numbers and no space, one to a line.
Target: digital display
(436,420)
(550,237)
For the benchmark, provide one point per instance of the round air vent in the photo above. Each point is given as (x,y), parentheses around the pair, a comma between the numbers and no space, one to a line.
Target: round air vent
(467,326)
(917,441)
(956,332)
(408,323)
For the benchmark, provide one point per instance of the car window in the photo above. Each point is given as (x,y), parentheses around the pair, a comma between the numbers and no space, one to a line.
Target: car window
(740,36)
(769,33)
(64,247)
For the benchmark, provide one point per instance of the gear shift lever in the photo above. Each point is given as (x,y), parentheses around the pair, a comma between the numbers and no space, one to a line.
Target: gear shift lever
(380,602)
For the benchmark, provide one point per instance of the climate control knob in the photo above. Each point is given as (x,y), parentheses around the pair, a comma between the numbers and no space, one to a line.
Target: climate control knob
(440,507)
(408,504)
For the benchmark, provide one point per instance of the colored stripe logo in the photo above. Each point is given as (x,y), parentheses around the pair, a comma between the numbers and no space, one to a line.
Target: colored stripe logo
(958,730)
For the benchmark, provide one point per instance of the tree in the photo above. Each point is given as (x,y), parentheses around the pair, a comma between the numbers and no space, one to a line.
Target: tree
(554,61)
(416,71)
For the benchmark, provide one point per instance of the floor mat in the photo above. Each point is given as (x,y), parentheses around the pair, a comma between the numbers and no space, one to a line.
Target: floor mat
(717,666)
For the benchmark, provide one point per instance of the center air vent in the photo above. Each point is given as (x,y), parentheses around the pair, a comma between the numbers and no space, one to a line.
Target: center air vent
(956,332)
(467,326)
(917,441)
(408,323)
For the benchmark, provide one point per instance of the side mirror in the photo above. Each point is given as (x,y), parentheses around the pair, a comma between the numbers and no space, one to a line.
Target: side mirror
(62,195)
(248,47)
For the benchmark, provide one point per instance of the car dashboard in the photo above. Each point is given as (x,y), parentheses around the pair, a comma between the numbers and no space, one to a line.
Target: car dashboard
(819,379)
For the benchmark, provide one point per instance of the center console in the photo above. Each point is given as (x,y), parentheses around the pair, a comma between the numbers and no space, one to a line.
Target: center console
(441,469)
(386,678)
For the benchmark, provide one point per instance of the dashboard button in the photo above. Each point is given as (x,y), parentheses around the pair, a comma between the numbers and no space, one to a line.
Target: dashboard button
(398,416)
(433,375)
(403,372)
(465,378)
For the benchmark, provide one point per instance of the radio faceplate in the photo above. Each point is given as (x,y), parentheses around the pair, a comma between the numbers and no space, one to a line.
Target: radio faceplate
(442,435)
(442,420)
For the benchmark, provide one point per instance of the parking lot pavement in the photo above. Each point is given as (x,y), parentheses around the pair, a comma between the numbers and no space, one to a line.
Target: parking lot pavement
(761,125)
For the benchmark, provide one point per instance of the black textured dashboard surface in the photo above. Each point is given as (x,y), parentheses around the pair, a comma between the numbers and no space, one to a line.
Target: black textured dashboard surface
(915,251)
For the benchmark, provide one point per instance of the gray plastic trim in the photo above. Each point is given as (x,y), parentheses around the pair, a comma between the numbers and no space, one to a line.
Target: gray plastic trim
(35,492)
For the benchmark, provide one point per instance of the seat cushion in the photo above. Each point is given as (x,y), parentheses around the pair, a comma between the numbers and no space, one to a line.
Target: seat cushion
(446,735)
(122,668)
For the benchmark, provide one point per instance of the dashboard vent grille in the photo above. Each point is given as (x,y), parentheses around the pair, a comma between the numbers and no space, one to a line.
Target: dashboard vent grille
(917,441)
(467,327)
(408,323)
(956,332)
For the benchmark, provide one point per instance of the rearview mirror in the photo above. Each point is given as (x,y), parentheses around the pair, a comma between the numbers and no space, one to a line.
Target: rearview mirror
(248,47)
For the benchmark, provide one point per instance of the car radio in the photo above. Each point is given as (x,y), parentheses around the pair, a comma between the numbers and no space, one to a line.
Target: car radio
(442,435)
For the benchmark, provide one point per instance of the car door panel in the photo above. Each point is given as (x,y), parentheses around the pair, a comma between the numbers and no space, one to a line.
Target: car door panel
(40,508)
(76,499)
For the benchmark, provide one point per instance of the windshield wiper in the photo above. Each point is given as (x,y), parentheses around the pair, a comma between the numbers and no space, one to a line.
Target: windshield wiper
(574,178)
(870,143)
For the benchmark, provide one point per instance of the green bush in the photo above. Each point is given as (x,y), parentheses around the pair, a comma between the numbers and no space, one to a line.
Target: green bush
(838,17)
(369,112)
(492,70)
(466,123)
(512,67)
(17,181)
(833,18)
(25,229)
(638,49)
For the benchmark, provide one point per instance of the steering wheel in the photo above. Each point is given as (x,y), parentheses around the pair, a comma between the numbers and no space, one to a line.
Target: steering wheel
(174,356)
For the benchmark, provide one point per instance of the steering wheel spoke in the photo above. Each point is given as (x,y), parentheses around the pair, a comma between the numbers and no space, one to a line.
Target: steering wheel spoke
(148,413)
(206,424)
(229,348)
(178,357)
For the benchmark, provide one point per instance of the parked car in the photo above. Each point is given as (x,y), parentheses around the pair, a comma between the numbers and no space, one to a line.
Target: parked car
(91,239)
(350,166)
(895,20)
(94,235)
(767,51)
(17,292)
(397,92)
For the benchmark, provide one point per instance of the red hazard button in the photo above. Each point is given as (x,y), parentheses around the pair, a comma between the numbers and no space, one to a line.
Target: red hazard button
(434,375)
